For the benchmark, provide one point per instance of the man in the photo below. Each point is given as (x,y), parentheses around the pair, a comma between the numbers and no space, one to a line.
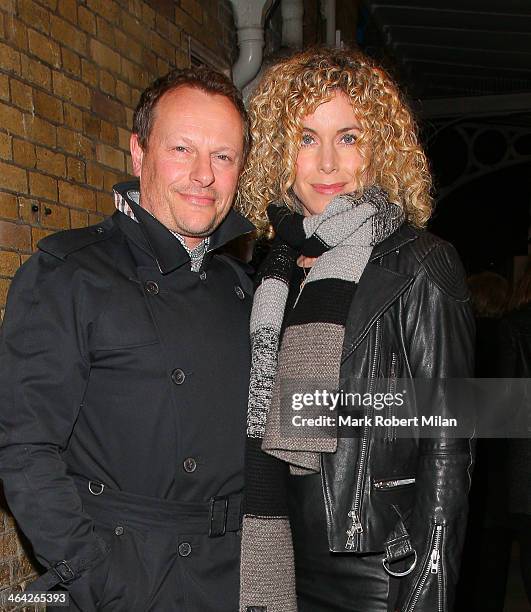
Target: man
(124,360)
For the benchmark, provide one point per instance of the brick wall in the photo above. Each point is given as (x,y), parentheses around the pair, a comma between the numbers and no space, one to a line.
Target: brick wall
(71,72)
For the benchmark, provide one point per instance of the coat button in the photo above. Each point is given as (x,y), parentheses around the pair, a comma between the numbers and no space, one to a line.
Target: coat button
(202,275)
(185,549)
(151,287)
(239,292)
(190,465)
(178,376)
(119,530)
(100,230)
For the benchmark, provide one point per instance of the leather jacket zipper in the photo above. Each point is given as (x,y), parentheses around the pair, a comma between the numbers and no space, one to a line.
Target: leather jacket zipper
(390,430)
(383,485)
(434,565)
(355,513)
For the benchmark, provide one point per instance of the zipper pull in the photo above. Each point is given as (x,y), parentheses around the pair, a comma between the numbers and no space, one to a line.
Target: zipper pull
(434,561)
(356,528)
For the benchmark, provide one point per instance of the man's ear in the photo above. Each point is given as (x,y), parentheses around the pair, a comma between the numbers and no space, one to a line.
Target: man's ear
(137,154)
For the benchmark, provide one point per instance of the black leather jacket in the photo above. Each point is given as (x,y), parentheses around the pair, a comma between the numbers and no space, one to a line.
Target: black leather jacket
(410,318)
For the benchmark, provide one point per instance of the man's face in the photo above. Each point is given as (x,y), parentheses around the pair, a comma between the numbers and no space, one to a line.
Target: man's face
(189,168)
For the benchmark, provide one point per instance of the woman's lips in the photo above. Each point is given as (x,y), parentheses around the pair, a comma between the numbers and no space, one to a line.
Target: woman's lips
(328,189)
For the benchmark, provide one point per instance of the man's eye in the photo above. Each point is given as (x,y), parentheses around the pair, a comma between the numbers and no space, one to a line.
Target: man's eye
(306,139)
(179,149)
(349,139)
(224,157)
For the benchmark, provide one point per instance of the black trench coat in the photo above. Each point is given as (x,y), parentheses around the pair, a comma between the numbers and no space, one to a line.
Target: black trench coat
(121,366)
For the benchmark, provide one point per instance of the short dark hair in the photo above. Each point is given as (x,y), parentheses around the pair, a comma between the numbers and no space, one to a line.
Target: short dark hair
(203,78)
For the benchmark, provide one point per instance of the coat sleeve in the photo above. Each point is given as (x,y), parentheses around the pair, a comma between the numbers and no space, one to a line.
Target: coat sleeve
(44,369)
(440,333)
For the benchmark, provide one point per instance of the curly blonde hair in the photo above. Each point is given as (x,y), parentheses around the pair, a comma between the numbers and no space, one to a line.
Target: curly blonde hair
(293,88)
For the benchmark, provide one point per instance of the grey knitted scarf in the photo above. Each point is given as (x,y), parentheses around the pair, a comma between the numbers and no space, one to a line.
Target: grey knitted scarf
(342,238)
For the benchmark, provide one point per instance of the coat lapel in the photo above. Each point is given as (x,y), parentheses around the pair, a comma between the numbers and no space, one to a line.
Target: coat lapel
(377,290)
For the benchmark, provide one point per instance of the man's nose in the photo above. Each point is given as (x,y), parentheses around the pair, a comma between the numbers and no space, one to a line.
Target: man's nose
(201,172)
(328,159)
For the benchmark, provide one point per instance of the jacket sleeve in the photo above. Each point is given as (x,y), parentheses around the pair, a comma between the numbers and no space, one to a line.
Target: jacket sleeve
(440,333)
(44,369)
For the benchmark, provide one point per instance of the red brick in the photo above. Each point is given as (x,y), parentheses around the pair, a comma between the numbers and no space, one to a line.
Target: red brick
(91,126)
(44,48)
(134,28)
(107,83)
(13,178)
(86,20)
(14,236)
(9,59)
(39,130)
(105,204)
(95,218)
(71,61)
(16,33)
(72,91)
(94,175)
(50,162)
(109,156)
(34,15)
(9,264)
(106,8)
(104,56)
(109,180)
(41,186)
(5,146)
(74,143)
(123,92)
(68,9)
(4,87)
(8,541)
(161,46)
(26,212)
(4,288)
(11,119)
(24,153)
(21,95)
(75,170)
(68,35)
(193,8)
(105,107)
(108,133)
(124,137)
(163,7)
(8,205)
(78,218)
(58,218)
(89,73)
(35,72)
(105,32)
(48,107)
(75,195)
(148,14)
(73,116)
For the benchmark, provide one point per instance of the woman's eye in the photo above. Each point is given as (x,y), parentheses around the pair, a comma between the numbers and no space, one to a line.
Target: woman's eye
(349,139)
(306,139)
(224,157)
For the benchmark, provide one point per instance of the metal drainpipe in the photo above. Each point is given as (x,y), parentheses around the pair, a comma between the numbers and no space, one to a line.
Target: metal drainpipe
(292,14)
(328,10)
(249,17)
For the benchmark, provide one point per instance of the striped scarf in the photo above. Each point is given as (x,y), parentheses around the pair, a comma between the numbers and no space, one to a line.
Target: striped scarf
(342,238)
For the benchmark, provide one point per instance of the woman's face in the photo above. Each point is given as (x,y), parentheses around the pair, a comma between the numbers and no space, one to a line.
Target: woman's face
(328,155)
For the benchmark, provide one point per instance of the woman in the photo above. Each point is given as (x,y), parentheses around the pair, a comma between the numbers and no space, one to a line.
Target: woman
(352,292)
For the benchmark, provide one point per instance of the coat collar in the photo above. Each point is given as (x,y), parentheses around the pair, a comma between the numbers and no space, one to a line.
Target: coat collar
(377,289)
(162,244)
(404,234)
